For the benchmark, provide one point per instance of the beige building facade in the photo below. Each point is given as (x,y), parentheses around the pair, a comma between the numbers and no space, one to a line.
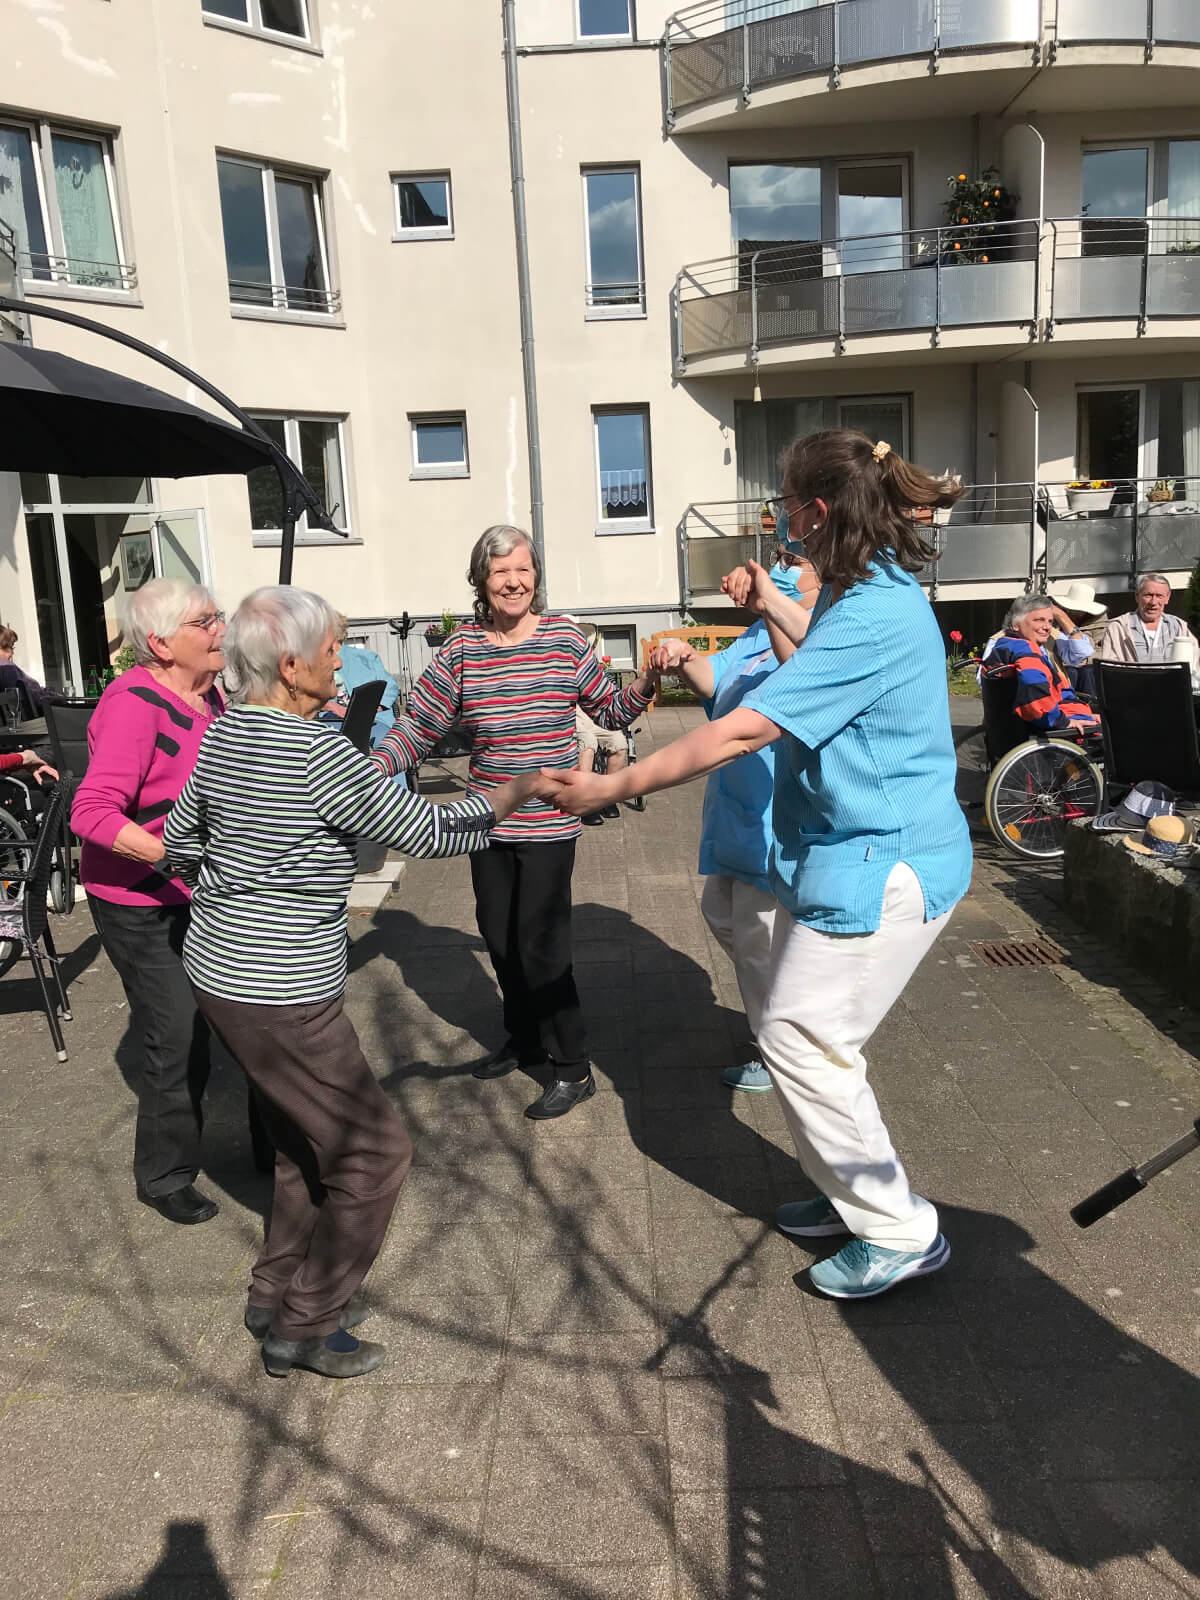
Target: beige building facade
(736,231)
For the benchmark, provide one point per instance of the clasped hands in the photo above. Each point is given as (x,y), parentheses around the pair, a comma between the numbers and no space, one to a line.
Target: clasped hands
(570,790)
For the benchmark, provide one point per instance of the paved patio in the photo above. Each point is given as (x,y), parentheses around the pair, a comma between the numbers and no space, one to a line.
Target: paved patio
(606,1377)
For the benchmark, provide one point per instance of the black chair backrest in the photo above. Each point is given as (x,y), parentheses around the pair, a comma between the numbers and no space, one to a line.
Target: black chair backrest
(1003,730)
(10,708)
(1149,724)
(360,713)
(68,725)
(50,832)
(13,679)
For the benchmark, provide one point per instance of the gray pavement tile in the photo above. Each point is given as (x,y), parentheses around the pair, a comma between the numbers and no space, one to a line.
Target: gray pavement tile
(391,1444)
(431,1339)
(380,1550)
(752,1430)
(616,1223)
(428,1261)
(1019,1326)
(585,1383)
(557,1294)
(786,1542)
(965,1570)
(1144,1535)
(45,1551)
(735,1330)
(47,1447)
(114,1342)
(583,1168)
(942,1379)
(599,1581)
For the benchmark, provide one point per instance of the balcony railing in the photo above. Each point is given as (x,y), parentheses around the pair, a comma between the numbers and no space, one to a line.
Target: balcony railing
(38,267)
(723,47)
(839,289)
(285,297)
(1108,267)
(1144,22)
(614,299)
(1124,531)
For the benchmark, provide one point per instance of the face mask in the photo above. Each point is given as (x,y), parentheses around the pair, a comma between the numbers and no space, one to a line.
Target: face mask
(786,580)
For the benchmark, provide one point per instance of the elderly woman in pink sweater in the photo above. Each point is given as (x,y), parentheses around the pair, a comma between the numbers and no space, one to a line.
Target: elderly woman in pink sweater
(143,739)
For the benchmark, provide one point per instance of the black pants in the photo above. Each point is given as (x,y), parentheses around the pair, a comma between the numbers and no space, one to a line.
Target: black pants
(145,945)
(523,906)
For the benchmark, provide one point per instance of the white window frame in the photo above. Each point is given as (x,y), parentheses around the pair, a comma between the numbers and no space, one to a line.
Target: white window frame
(607,526)
(278,305)
(441,469)
(255,25)
(291,442)
(41,131)
(604,38)
(602,311)
(399,231)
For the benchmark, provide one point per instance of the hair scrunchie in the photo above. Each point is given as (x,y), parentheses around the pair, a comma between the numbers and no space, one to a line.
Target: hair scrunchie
(883,448)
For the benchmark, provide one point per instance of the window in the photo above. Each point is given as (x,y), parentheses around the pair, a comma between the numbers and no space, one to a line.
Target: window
(439,446)
(58,195)
(1141,195)
(288,17)
(274,238)
(763,430)
(613,212)
(623,470)
(318,445)
(423,208)
(605,19)
(857,207)
(617,642)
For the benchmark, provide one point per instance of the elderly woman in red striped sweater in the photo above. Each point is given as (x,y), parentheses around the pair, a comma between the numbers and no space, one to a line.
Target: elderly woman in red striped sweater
(513,678)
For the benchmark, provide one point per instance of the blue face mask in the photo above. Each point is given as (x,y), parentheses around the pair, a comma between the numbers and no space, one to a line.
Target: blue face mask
(786,580)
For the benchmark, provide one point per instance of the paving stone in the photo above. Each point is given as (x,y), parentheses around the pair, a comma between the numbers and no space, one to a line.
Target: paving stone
(751,1430)
(772,1542)
(600,1580)
(578,1384)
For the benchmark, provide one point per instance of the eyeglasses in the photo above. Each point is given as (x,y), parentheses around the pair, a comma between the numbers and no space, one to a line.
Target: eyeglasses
(779,503)
(787,559)
(210,622)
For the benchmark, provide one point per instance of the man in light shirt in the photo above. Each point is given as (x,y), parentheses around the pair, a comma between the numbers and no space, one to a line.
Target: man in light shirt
(1146,634)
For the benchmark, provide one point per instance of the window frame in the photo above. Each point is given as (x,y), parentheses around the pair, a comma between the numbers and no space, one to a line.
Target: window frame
(420,473)
(606,38)
(401,234)
(41,132)
(256,28)
(277,307)
(604,311)
(272,537)
(607,527)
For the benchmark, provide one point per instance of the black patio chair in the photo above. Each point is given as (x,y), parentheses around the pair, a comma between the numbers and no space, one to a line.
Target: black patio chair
(67,723)
(1149,725)
(360,713)
(24,917)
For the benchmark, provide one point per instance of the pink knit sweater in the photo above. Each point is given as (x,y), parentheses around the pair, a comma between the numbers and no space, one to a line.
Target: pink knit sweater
(142,745)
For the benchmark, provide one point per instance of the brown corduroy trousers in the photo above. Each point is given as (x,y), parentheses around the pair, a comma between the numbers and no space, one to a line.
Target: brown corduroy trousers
(343,1154)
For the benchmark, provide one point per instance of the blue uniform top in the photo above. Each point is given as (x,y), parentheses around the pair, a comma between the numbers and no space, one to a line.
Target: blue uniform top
(735,833)
(864,776)
(361,666)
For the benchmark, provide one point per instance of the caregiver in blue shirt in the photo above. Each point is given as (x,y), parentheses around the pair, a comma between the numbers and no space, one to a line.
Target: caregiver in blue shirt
(871,851)
(738,902)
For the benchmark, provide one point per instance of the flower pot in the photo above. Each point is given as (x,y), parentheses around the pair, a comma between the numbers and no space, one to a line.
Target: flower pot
(435,640)
(1160,495)
(1090,499)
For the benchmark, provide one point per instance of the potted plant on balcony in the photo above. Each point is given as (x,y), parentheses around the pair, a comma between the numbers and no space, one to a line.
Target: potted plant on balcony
(1091,494)
(976,209)
(438,632)
(1163,489)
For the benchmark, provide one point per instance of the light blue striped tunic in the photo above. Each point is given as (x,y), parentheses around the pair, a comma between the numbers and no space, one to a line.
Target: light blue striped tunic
(864,776)
(265,829)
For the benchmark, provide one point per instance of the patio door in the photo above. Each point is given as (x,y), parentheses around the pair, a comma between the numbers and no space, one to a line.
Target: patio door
(1116,435)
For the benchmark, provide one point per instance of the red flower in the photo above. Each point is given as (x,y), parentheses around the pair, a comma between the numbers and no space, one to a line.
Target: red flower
(956,636)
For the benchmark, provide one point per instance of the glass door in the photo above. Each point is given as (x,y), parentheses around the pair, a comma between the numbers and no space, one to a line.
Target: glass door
(870,215)
(1111,442)
(1116,185)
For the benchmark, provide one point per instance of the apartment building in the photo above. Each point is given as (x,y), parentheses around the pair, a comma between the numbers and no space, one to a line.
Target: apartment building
(737,230)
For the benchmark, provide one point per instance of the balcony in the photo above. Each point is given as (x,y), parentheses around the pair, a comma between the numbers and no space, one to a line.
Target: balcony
(1143,272)
(748,61)
(1145,24)
(40,270)
(12,325)
(1130,533)
(251,297)
(810,303)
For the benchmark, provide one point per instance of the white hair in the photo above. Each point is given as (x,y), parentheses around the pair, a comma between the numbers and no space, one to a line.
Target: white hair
(500,540)
(1151,577)
(159,608)
(1023,605)
(271,623)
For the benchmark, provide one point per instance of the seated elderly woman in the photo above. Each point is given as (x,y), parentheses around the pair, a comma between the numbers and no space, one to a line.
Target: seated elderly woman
(265,829)
(142,742)
(1044,697)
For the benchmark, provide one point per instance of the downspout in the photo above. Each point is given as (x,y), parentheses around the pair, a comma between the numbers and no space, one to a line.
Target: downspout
(521,230)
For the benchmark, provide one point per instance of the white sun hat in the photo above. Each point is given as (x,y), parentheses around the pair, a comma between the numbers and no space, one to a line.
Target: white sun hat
(1077,597)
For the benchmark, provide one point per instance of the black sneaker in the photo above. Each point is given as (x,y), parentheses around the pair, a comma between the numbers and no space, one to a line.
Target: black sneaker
(560,1096)
(610,811)
(507,1059)
(593,819)
(186,1205)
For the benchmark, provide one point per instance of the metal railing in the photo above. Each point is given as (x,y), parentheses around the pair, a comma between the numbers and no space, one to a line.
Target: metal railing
(1144,22)
(838,289)
(38,267)
(12,325)
(615,299)
(285,297)
(1106,267)
(722,47)
(1132,525)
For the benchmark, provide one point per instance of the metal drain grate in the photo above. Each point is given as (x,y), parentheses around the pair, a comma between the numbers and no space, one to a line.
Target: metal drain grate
(1018,953)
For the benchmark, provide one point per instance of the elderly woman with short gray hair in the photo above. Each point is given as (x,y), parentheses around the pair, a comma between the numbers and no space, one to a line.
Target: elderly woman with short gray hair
(265,829)
(1043,696)
(143,739)
(512,679)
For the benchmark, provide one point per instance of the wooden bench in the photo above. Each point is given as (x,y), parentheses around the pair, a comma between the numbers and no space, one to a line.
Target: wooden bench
(706,639)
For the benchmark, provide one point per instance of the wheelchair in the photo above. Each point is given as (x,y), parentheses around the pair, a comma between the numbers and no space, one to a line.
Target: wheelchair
(1038,784)
(600,764)
(20,826)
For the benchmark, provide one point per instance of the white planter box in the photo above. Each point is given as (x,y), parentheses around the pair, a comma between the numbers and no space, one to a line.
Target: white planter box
(1090,499)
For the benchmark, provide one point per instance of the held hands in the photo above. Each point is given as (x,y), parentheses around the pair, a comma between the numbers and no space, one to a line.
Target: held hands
(577,792)
(751,587)
(38,769)
(670,655)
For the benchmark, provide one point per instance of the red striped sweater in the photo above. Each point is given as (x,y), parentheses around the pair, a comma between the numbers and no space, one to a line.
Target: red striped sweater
(517,703)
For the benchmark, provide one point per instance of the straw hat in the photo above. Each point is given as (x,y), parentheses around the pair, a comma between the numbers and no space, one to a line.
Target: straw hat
(1079,597)
(1164,837)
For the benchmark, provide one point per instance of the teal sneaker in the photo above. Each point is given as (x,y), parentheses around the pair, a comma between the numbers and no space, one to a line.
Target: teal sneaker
(753,1076)
(810,1219)
(860,1270)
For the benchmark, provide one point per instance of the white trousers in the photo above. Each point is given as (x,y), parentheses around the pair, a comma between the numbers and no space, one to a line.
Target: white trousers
(742,919)
(827,995)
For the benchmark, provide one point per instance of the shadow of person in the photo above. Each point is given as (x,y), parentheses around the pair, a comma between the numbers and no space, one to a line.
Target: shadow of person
(187,1565)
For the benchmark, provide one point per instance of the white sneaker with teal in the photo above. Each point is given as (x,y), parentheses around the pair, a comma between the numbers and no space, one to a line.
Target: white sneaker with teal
(753,1076)
(810,1219)
(860,1270)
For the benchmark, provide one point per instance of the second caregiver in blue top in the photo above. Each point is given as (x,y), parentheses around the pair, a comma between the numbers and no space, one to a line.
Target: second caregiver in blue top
(870,850)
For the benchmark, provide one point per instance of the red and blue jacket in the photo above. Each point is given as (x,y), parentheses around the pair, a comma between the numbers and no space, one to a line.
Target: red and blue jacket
(1044,698)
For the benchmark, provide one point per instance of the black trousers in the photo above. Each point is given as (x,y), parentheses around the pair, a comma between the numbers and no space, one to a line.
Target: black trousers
(145,945)
(523,906)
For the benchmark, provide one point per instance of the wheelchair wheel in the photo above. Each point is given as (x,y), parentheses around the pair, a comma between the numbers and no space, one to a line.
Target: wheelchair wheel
(16,853)
(1035,791)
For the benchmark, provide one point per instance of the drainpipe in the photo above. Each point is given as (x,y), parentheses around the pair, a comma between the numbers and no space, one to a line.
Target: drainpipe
(517,169)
